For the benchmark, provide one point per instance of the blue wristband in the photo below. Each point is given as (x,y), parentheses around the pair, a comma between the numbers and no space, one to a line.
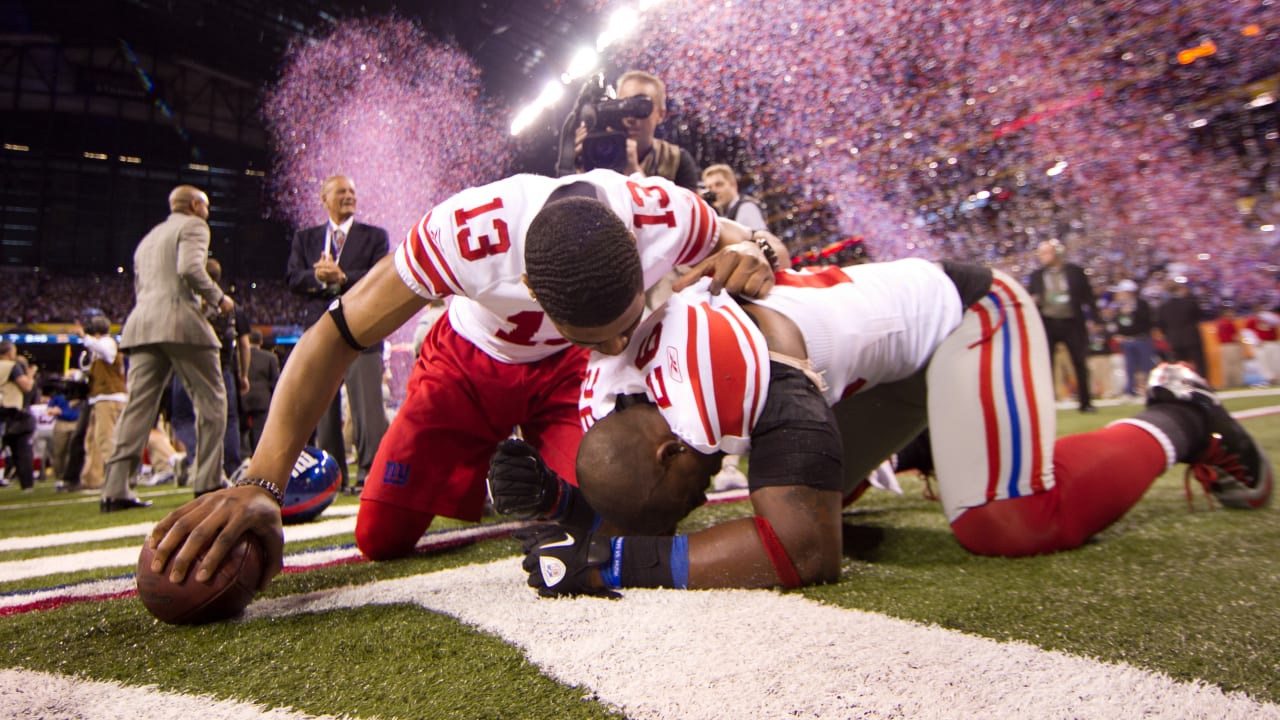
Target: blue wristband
(611,572)
(680,561)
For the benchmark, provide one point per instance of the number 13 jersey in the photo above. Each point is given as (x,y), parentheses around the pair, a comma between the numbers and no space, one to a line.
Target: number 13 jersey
(471,246)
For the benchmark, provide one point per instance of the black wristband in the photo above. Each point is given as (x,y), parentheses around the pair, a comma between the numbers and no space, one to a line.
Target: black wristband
(761,240)
(645,562)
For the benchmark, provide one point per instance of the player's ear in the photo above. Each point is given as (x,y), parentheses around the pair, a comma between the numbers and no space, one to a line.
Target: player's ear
(524,278)
(669,449)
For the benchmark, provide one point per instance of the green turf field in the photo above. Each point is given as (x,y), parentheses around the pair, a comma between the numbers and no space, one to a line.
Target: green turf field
(1189,593)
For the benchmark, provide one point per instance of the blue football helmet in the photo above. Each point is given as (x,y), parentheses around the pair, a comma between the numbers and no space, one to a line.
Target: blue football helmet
(313,485)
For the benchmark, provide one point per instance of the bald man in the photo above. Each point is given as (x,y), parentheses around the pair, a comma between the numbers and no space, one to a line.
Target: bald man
(167,333)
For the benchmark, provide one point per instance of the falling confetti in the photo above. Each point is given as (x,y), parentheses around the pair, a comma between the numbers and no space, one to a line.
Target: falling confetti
(975,129)
(400,113)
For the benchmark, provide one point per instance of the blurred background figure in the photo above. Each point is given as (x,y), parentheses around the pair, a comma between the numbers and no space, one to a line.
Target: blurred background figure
(1133,323)
(1265,325)
(103,364)
(1178,318)
(167,333)
(264,371)
(1230,350)
(17,390)
(1066,302)
(722,185)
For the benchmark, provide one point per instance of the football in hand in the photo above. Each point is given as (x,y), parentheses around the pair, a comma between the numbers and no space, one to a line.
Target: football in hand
(224,595)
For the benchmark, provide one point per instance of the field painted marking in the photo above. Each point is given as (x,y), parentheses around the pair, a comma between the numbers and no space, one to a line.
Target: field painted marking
(29,694)
(717,654)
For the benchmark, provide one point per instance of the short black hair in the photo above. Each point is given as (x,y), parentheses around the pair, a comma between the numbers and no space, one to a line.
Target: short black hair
(97,325)
(582,262)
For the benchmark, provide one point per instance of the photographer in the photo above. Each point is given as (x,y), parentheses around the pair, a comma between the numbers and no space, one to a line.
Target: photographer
(615,133)
(722,192)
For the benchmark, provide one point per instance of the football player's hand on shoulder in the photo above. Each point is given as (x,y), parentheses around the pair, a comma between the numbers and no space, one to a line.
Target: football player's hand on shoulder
(741,269)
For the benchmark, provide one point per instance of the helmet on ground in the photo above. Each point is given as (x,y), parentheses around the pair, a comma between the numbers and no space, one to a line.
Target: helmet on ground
(313,485)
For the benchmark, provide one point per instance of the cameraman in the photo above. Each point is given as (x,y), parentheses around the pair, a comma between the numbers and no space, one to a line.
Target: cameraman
(723,184)
(645,153)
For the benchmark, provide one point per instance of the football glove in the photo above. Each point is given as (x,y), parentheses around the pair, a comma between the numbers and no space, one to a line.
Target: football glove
(563,561)
(523,487)
(520,483)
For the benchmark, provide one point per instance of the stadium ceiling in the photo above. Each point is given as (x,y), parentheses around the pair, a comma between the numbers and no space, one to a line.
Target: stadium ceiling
(517,43)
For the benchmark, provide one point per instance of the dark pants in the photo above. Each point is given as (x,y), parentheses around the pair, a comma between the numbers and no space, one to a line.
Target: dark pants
(75,455)
(1075,336)
(183,417)
(18,434)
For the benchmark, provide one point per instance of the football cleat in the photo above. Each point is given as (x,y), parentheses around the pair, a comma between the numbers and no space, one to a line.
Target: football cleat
(1233,467)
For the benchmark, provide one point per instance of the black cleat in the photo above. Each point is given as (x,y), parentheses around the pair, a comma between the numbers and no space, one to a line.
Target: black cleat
(1233,468)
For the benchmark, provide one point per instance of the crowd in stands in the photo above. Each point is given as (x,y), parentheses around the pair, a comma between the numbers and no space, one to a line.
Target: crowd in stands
(38,296)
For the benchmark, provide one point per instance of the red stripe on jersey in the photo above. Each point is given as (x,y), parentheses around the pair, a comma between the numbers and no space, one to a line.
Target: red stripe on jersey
(417,243)
(1028,386)
(824,278)
(729,376)
(702,221)
(695,372)
(406,249)
(443,264)
(990,424)
(756,398)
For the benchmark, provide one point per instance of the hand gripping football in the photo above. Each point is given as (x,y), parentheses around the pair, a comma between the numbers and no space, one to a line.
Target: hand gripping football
(228,592)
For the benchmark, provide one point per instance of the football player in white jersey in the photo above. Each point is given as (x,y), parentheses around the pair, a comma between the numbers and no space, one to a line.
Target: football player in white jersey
(876,351)
(493,365)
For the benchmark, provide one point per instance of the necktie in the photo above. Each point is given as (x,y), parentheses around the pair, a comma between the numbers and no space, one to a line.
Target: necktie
(339,237)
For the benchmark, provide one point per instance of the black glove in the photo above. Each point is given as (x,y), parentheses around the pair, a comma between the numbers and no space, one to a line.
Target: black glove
(520,483)
(563,561)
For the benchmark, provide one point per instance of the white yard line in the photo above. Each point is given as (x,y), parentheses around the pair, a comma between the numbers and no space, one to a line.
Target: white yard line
(28,694)
(717,654)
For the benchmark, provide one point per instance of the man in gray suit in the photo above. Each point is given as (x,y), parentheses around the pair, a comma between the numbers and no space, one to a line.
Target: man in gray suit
(165,333)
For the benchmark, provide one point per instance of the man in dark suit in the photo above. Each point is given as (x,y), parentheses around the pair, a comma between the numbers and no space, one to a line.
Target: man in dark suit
(1066,302)
(264,371)
(324,262)
(167,333)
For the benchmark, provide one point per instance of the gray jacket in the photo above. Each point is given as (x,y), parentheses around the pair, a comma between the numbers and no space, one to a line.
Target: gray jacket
(169,281)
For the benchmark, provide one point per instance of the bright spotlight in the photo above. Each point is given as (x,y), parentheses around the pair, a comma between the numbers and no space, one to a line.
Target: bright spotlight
(584,62)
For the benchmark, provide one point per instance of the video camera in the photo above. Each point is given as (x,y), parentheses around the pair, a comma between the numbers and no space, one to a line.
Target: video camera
(605,145)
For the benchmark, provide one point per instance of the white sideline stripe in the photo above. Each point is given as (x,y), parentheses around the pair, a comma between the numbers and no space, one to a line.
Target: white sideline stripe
(30,694)
(739,653)
(308,531)
(128,556)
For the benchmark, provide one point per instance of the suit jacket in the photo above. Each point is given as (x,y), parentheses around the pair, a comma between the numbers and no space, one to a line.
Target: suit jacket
(1078,288)
(364,247)
(264,370)
(169,280)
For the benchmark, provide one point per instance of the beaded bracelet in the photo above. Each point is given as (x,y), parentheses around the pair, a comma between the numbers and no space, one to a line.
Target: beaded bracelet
(762,241)
(276,493)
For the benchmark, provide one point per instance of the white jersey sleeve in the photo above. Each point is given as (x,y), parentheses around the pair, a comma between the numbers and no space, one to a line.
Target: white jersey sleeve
(701,360)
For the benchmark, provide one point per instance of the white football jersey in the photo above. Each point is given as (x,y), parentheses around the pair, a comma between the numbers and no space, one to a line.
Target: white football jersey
(471,246)
(705,364)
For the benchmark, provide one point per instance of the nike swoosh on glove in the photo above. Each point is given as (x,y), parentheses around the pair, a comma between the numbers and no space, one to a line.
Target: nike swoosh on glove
(563,561)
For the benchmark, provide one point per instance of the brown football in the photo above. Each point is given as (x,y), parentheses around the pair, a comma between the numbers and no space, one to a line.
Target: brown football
(228,592)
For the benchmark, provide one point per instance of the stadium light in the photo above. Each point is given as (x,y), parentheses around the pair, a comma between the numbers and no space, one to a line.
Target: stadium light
(1057,169)
(622,23)
(584,63)
(550,95)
